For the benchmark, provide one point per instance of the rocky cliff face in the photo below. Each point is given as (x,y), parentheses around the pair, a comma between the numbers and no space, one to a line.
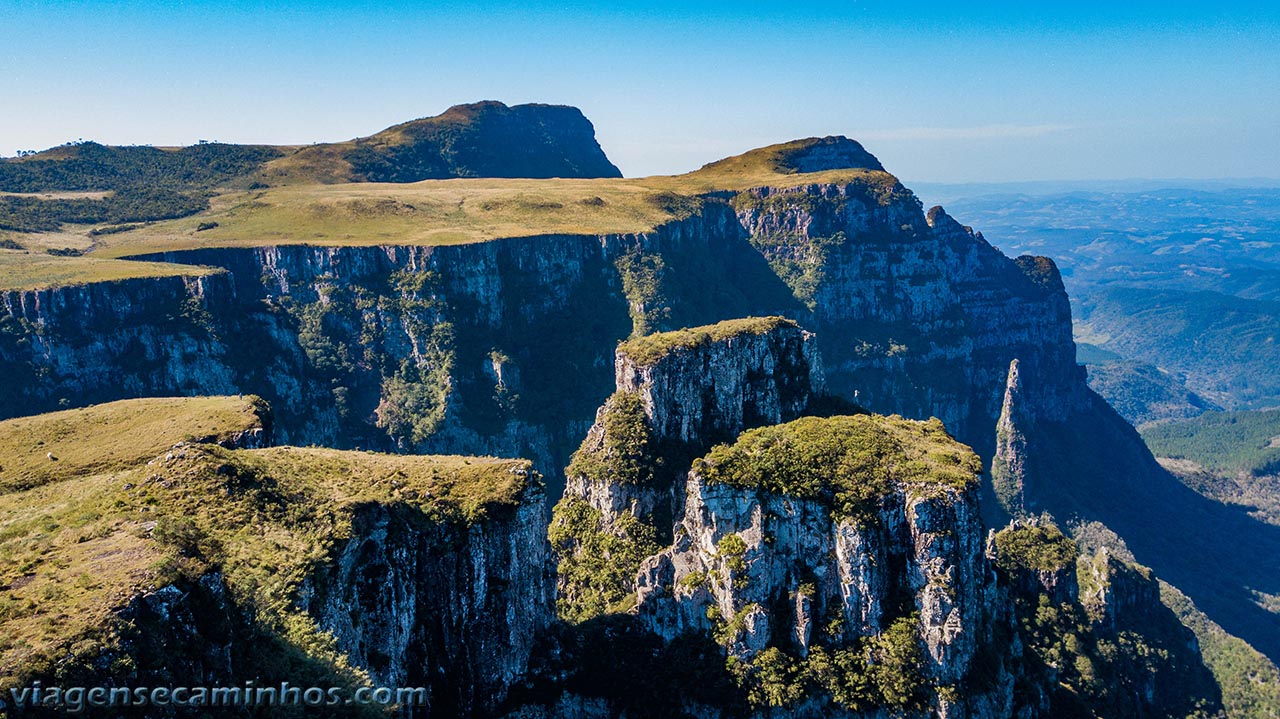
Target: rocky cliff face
(1009,464)
(417,605)
(741,375)
(1094,635)
(228,564)
(383,348)
(396,347)
(507,348)
(764,569)
(393,348)
(678,394)
(403,603)
(92,343)
(919,315)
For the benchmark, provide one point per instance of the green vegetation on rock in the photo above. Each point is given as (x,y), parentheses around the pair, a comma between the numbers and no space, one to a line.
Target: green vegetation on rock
(597,563)
(1250,682)
(800,262)
(848,462)
(881,671)
(641,276)
(1039,547)
(79,544)
(650,349)
(1094,629)
(624,452)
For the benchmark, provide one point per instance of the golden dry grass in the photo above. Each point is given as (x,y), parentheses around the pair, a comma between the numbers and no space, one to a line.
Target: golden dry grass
(448,212)
(432,212)
(32,270)
(111,437)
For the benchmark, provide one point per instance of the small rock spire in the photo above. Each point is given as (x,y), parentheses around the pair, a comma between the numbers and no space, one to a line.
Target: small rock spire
(1008,467)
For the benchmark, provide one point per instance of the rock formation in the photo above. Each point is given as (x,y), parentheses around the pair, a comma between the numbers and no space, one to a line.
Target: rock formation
(1009,464)
(678,393)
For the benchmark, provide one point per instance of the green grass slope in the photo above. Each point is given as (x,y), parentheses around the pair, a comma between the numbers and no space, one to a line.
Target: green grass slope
(308,211)
(460,211)
(123,511)
(114,436)
(33,271)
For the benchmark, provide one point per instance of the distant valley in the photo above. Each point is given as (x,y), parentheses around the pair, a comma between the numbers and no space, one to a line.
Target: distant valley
(1186,280)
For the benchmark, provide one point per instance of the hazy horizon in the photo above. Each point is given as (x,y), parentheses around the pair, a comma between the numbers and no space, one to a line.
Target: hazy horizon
(998,94)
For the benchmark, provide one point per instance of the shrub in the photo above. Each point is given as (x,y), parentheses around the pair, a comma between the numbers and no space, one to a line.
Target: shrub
(624,451)
(1039,547)
(848,462)
(597,567)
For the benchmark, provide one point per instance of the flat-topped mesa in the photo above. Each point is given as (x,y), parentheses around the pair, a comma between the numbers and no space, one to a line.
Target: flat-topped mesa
(678,394)
(830,537)
(706,384)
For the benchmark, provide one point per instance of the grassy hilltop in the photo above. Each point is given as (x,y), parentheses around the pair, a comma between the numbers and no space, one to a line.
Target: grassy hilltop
(462,211)
(317,195)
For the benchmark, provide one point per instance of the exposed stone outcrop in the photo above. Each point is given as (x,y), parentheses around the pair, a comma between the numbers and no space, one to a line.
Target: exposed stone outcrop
(418,605)
(393,347)
(233,565)
(678,394)
(918,314)
(86,344)
(830,153)
(507,347)
(1093,631)
(1009,463)
(763,372)
(759,569)
(483,139)
(408,603)
(1035,558)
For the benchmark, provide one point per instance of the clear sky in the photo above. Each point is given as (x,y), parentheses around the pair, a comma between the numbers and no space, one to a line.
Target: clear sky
(1012,91)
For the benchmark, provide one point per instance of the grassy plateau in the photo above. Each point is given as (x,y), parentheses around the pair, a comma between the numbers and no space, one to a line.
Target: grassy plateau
(126,505)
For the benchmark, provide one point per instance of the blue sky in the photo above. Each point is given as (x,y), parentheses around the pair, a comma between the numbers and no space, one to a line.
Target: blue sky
(1011,91)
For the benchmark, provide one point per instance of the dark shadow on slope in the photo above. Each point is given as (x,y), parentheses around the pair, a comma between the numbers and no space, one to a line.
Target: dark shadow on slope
(1219,555)
(634,671)
(704,273)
